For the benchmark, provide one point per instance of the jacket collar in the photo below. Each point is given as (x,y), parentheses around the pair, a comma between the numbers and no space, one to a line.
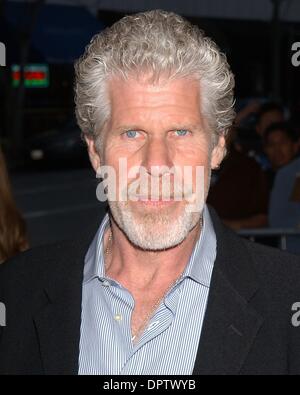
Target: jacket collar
(58,321)
(231,324)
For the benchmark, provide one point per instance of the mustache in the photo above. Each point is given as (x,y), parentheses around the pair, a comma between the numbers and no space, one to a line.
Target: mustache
(158,191)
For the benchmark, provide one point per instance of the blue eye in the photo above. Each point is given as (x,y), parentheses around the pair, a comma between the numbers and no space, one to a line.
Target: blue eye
(131,133)
(181,132)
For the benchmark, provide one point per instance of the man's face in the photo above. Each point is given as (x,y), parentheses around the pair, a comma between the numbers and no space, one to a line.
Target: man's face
(267,119)
(280,149)
(154,126)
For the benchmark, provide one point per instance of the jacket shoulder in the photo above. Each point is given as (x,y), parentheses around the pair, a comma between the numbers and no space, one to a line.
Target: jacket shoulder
(264,256)
(276,269)
(36,264)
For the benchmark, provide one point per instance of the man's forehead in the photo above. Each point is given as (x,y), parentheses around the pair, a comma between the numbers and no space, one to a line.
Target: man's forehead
(131,94)
(144,85)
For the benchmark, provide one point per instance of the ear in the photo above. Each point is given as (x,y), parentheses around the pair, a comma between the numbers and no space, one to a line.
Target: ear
(93,154)
(219,152)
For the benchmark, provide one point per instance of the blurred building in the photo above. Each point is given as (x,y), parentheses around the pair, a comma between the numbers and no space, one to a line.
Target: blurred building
(58,35)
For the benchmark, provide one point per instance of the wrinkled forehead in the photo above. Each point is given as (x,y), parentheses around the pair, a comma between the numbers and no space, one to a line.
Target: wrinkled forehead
(133,97)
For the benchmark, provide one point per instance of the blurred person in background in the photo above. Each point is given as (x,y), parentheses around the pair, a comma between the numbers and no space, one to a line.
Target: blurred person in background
(239,191)
(13,237)
(266,114)
(281,145)
(269,113)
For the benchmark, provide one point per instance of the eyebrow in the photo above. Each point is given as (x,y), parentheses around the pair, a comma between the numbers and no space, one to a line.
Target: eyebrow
(123,128)
(178,126)
(185,126)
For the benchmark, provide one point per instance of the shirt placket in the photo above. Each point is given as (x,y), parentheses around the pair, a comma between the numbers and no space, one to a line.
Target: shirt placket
(158,324)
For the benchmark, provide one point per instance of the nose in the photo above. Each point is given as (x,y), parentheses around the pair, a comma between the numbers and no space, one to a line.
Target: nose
(157,154)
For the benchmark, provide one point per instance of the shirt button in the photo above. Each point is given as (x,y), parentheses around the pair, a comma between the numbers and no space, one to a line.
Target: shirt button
(118,317)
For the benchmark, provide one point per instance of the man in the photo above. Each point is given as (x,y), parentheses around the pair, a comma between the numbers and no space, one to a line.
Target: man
(251,141)
(162,287)
(269,113)
(281,145)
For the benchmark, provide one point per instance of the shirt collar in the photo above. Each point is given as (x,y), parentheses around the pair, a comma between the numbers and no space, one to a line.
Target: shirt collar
(202,259)
(199,267)
(94,259)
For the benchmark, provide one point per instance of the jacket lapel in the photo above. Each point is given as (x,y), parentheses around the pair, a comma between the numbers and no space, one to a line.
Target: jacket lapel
(58,330)
(229,329)
(58,321)
(230,325)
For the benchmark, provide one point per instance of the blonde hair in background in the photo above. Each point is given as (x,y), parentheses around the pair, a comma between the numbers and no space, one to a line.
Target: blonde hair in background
(13,238)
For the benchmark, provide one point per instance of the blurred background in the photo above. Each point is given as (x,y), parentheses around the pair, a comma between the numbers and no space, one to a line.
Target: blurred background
(47,189)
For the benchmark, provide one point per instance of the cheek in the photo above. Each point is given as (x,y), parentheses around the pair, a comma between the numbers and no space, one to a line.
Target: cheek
(285,150)
(114,153)
(196,155)
(291,150)
(193,153)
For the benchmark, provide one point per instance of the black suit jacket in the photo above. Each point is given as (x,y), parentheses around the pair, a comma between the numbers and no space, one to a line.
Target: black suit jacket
(247,327)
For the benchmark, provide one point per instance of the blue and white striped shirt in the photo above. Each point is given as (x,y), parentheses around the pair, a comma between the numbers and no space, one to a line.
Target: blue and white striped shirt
(170,342)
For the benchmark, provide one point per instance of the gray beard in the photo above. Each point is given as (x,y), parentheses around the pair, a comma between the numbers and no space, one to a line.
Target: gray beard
(153,231)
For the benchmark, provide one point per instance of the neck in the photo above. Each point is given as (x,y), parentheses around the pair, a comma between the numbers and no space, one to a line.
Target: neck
(140,269)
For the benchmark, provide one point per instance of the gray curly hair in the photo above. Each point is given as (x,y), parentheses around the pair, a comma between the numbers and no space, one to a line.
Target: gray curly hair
(160,43)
